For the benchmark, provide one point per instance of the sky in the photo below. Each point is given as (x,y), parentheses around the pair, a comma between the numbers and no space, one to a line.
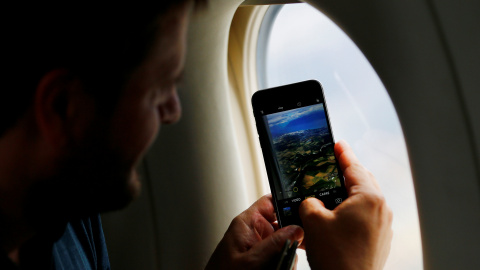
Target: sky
(304,118)
(304,44)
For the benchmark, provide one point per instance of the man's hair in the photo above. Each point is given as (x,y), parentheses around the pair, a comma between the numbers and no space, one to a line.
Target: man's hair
(99,43)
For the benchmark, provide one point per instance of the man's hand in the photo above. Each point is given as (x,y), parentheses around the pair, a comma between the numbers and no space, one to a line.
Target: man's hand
(355,235)
(253,240)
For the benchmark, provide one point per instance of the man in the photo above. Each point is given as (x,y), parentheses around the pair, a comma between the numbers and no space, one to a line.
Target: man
(86,92)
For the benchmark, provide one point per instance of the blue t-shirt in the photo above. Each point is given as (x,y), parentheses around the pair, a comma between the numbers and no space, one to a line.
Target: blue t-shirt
(82,246)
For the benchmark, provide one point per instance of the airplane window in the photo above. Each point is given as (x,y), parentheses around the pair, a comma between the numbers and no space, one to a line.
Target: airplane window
(297,43)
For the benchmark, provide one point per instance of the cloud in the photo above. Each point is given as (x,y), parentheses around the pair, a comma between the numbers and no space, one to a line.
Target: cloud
(288,116)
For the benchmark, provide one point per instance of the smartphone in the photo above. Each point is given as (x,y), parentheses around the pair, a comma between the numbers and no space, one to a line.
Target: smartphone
(297,144)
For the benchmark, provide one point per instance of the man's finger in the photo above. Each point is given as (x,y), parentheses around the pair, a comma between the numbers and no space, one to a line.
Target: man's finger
(273,245)
(355,173)
(312,208)
(265,207)
(345,155)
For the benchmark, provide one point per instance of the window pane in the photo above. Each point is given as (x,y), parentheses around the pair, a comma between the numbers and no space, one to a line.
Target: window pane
(300,43)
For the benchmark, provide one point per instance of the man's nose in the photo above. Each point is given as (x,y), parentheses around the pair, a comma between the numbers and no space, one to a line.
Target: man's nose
(171,110)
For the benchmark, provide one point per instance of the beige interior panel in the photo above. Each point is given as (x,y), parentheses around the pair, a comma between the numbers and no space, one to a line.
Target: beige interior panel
(194,167)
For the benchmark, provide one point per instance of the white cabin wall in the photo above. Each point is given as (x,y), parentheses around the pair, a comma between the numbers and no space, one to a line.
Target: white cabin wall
(195,167)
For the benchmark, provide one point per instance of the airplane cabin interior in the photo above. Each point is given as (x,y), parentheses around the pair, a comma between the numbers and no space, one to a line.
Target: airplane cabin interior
(208,168)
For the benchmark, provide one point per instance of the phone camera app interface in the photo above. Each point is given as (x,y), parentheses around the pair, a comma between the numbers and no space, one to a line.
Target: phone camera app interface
(303,150)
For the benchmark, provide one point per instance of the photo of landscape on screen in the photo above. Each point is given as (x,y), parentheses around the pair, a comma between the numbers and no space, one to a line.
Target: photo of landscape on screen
(303,148)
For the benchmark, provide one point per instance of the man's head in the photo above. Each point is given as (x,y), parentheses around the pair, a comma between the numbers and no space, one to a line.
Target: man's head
(97,43)
(87,90)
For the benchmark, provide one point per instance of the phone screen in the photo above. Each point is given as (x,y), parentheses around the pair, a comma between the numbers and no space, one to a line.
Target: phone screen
(300,156)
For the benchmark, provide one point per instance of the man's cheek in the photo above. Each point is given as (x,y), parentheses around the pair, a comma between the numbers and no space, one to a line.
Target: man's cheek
(152,128)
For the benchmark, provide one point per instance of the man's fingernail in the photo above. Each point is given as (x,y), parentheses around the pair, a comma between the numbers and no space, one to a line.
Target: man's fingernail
(294,229)
(342,141)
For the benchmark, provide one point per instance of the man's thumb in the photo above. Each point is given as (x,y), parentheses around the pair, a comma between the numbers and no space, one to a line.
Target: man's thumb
(312,207)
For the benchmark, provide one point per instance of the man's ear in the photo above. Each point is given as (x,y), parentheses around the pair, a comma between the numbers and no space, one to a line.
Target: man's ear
(59,101)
